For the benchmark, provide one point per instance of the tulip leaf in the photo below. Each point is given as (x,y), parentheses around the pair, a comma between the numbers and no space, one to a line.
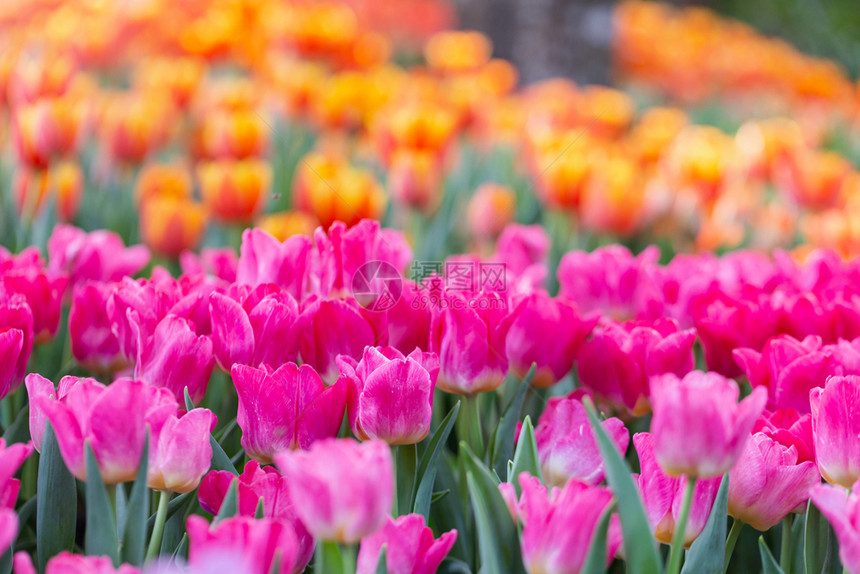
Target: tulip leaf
(134,529)
(220,460)
(327,558)
(425,475)
(260,512)
(189,404)
(57,502)
(498,542)
(19,430)
(101,535)
(595,562)
(821,549)
(437,496)
(382,563)
(504,437)
(525,457)
(707,554)
(454,566)
(769,564)
(640,548)
(230,505)
(172,508)
(449,512)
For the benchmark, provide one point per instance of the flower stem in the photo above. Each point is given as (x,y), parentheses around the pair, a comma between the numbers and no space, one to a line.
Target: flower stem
(732,539)
(785,548)
(395,451)
(158,528)
(473,432)
(348,558)
(677,551)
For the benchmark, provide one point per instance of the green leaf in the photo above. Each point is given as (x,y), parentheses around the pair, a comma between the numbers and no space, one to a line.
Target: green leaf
(57,502)
(327,558)
(19,430)
(407,461)
(503,439)
(595,562)
(498,541)
(437,496)
(6,560)
(189,405)
(220,460)
(454,566)
(526,456)
(640,548)
(134,530)
(768,562)
(260,512)
(821,549)
(101,536)
(230,506)
(798,530)
(425,475)
(382,563)
(450,512)
(707,554)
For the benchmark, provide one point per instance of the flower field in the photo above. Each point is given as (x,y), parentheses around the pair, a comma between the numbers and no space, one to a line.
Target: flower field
(318,286)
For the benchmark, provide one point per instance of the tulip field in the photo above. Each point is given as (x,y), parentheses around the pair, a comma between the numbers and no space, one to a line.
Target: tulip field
(320,286)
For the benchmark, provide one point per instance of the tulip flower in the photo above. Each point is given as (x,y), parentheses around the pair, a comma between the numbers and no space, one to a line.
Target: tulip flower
(257,544)
(414,179)
(663,495)
(284,224)
(180,452)
(842,509)
(468,333)
(170,225)
(558,527)
(67,563)
(234,191)
(147,301)
(11,459)
(409,547)
(93,344)
(264,259)
(548,332)
(409,319)
(341,490)
(15,317)
(566,446)
(43,291)
(174,357)
(390,395)
(836,428)
(287,408)
(619,359)
(258,483)
(789,428)
(221,263)
(769,481)
(491,208)
(524,251)
(699,427)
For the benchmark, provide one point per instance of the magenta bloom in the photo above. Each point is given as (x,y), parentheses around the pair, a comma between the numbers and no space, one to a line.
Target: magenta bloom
(250,546)
(11,347)
(257,483)
(220,263)
(836,426)
(409,547)
(332,327)
(619,359)
(287,408)
(699,427)
(180,452)
(11,459)
(548,332)
(174,357)
(558,527)
(260,329)
(769,481)
(842,509)
(409,320)
(468,333)
(663,495)
(67,563)
(43,290)
(147,302)
(93,343)
(98,255)
(524,250)
(789,428)
(390,396)
(264,259)
(342,490)
(15,315)
(8,528)
(566,445)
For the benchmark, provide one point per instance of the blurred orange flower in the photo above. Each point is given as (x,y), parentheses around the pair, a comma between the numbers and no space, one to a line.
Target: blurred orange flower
(234,191)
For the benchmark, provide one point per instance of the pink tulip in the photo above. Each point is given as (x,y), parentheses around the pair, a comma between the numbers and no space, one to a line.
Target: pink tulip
(548,332)
(663,495)
(174,357)
(180,452)
(842,509)
(768,482)
(699,427)
(256,483)
(43,291)
(468,333)
(11,459)
(409,320)
(94,346)
(111,419)
(264,259)
(619,359)
(37,385)
(390,396)
(99,255)
(147,301)
(67,563)
(558,527)
(16,315)
(261,543)
(791,429)
(220,263)
(262,329)
(566,446)
(287,408)
(8,528)
(836,426)
(409,547)
(613,281)
(342,490)
(332,327)
(524,250)
(11,346)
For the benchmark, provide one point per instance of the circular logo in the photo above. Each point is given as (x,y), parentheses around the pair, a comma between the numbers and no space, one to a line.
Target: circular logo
(377,285)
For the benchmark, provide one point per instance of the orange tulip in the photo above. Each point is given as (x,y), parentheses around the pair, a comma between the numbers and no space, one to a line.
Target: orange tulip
(285,224)
(814,179)
(490,209)
(613,199)
(452,52)
(234,191)
(162,180)
(170,225)
(46,129)
(178,77)
(135,125)
(32,187)
(415,179)
(237,135)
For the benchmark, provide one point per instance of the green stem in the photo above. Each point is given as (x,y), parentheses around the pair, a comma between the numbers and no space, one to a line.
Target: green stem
(677,551)
(474,434)
(158,528)
(785,548)
(348,558)
(731,541)
(395,452)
